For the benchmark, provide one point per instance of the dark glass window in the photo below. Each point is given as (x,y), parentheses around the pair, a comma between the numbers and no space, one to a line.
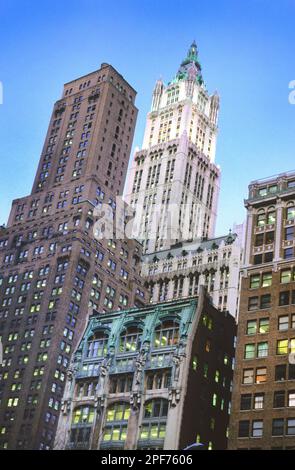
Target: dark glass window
(244,428)
(265,301)
(284,298)
(279,399)
(277,427)
(280,372)
(258,259)
(269,237)
(268,257)
(291,375)
(246,402)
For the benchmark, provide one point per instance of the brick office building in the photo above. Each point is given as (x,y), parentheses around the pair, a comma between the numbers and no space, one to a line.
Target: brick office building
(263,404)
(52,269)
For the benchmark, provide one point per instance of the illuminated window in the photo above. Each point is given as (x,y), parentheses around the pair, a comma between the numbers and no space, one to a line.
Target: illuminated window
(290,213)
(251,327)
(264,325)
(119,411)
(257,428)
(254,281)
(83,414)
(130,340)
(262,349)
(286,276)
(266,279)
(249,351)
(97,345)
(282,346)
(167,334)
(260,375)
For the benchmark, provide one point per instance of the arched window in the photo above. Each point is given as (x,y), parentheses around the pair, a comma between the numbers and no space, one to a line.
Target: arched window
(167,334)
(83,415)
(97,345)
(81,427)
(154,420)
(130,339)
(117,422)
(261,218)
(271,215)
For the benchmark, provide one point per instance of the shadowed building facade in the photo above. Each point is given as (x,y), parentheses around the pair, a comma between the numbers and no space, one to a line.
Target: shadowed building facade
(157,377)
(52,268)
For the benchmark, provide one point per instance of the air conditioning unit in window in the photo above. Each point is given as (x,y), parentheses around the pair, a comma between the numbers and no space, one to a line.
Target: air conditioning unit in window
(292,358)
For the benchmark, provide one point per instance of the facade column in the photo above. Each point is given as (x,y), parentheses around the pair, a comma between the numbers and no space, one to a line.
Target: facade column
(279,224)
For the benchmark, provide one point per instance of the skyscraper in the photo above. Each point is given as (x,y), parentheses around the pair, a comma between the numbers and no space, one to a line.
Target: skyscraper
(173,183)
(52,268)
(262,415)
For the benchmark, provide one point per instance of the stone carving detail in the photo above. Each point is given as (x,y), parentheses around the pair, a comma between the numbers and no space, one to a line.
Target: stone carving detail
(174,396)
(135,399)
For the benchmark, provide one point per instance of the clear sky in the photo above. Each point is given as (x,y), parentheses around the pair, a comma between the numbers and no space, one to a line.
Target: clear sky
(246,48)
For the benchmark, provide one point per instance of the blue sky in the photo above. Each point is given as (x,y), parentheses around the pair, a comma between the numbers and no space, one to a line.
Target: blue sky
(246,49)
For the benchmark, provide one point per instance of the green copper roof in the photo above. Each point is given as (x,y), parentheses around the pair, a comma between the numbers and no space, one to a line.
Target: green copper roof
(191,58)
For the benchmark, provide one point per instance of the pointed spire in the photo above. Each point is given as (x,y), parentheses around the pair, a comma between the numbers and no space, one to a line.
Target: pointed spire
(190,60)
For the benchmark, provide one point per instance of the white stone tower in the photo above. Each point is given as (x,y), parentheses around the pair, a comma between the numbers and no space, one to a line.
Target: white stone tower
(173,183)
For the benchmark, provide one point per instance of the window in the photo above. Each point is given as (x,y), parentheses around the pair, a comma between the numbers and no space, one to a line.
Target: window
(279,399)
(290,427)
(167,334)
(280,372)
(246,402)
(261,219)
(262,349)
(251,327)
(249,351)
(265,301)
(254,281)
(283,323)
(286,275)
(130,340)
(83,414)
(290,213)
(119,411)
(291,398)
(253,303)
(266,279)
(157,408)
(277,427)
(248,376)
(288,253)
(154,419)
(257,428)
(115,433)
(244,428)
(264,325)
(282,346)
(260,375)
(258,401)
(97,345)
(284,298)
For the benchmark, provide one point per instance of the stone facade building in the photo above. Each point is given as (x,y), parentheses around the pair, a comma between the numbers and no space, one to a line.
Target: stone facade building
(157,377)
(180,271)
(173,183)
(53,270)
(263,411)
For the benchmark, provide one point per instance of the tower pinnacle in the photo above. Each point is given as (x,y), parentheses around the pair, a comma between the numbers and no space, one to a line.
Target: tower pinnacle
(191,59)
